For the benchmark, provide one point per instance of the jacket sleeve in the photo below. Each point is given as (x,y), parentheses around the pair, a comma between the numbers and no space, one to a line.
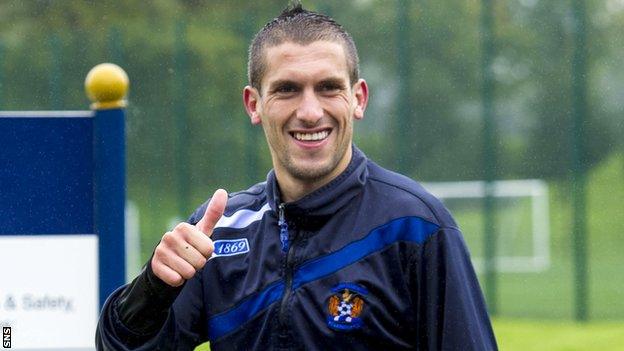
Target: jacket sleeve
(148,314)
(451,311)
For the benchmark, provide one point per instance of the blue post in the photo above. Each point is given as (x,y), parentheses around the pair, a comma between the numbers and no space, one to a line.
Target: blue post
(107,84)
(110,195)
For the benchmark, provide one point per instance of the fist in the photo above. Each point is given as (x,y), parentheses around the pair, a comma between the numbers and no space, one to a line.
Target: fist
(185,249)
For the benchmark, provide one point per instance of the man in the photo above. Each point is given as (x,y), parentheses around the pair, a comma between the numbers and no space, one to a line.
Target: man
(331,252)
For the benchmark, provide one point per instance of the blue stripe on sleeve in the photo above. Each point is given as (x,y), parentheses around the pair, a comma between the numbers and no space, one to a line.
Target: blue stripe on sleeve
(224,323)
(406,229)
(411,229)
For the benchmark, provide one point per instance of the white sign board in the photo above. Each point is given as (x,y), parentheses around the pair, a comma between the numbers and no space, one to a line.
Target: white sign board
(49,290)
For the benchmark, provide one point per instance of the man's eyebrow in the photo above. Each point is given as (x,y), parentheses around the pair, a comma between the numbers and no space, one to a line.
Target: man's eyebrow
(335,81)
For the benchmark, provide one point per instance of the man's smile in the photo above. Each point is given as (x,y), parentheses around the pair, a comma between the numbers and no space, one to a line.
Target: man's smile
(311,138)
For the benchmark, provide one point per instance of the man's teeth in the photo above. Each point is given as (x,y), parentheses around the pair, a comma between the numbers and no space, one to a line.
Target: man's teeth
(312,136)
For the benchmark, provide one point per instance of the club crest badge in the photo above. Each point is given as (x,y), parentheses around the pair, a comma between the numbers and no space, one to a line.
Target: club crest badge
(345,306)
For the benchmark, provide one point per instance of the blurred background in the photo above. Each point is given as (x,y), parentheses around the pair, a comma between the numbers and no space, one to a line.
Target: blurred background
(511,111)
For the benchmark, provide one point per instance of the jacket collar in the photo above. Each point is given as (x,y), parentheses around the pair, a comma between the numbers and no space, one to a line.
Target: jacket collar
(328,199)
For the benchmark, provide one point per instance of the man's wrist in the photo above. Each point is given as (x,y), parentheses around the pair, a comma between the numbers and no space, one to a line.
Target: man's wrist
(156,287)
(144,305)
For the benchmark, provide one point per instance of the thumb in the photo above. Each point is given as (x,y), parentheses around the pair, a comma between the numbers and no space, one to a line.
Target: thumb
(214,211)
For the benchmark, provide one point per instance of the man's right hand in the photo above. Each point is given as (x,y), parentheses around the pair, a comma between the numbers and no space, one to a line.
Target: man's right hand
(185,249)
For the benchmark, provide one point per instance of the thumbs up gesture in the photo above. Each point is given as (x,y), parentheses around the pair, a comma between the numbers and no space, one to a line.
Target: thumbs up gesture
(185,249)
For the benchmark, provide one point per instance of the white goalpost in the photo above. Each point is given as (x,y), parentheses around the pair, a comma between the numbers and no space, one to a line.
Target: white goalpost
(522,221)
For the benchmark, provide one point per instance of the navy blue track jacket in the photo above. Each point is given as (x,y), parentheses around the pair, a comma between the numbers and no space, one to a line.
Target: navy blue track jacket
(370,261)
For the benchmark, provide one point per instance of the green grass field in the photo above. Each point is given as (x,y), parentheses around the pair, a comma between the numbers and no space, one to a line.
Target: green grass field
(539,335)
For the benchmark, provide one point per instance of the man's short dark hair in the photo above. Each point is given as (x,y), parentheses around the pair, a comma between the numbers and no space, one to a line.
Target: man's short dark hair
(298,25)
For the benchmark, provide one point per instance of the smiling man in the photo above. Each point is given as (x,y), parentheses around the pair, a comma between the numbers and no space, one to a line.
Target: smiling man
(330,252)
(306,103)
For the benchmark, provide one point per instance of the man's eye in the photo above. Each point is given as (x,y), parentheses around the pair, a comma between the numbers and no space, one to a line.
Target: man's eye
(329,87)
(286,89)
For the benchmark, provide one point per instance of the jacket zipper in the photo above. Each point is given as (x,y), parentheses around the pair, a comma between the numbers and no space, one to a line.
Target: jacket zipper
(288,271)
(283,228)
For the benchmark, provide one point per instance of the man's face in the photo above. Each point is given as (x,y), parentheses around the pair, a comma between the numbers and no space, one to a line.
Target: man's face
(306,108)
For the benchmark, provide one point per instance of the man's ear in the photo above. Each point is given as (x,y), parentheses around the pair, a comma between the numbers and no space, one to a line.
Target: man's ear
(251,100)
(360,92)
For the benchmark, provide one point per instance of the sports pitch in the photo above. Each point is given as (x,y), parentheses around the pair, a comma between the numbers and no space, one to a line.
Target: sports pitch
(539,335)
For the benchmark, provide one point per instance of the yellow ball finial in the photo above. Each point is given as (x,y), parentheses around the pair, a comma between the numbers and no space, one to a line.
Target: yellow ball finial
(106,85)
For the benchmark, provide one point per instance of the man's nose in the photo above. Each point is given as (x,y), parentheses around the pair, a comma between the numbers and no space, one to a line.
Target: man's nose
(309,109)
